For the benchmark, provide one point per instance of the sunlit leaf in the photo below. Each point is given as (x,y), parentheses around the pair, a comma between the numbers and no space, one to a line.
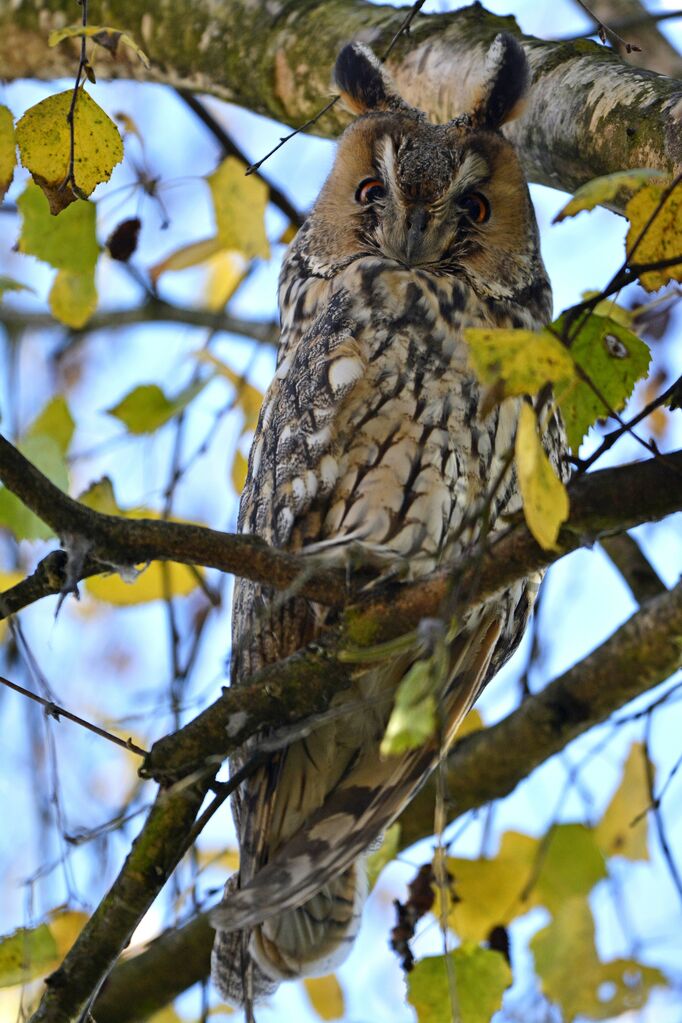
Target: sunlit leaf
(100,497)
(248,398)
(493,891)
(147,407)
(45,453)
(571,974)
(65,926)
(25,954)
(225,274)
(523,360)
(186,256)
(545,501)
(387,851)
(73,297)
(55,421)
(613,359)
(43,138)
(473,722)
(7,150)
(146,586)
(618,833)
(570,864)
(67,242)
(610,309)
(226,860)
(606,188)
(662,240)
(326,996)
(481,978)
(239,203)
(240,467)
(104,35)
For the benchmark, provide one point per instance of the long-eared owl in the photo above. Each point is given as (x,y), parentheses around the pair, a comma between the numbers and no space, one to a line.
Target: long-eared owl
(371,439)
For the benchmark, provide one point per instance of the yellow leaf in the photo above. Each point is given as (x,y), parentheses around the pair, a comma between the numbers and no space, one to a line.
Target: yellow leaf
(225,274)
(186,256)
(601,190)
(240,467)
(572,975)
(239,202)
(326,996)
(288,234)
(225,859)
(523,360)
(43,137)
(662,240)
(65,926)
(491,892)
(105,36)
(545,501)
(100,497)
(147,585)
(55,421)
(249,399)
(73,297)
(615,833)
(387,851)
(473,722)
(7,150)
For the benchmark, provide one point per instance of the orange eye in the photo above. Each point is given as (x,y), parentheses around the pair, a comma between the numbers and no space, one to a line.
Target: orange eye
(476,207)
(369,191)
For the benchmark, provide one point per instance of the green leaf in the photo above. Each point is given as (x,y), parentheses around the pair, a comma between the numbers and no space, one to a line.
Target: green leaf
(568,966)
(146,408)
(44,140)
(663,238)
(481,978)
(103,35)
(623,830)
(413,718)
(571,864)
(55,421)
(545,501)
(522,360)
(239,203)
(9,284)
(614,359)
(25,954)
(67,242)
(7,150)
(73,297)
(45,453)
(602,190)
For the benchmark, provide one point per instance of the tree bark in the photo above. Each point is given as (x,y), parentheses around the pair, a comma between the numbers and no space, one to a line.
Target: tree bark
(588,112)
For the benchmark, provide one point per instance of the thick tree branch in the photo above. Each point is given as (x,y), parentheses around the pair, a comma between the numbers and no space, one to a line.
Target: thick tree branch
(588,113)
(483,766)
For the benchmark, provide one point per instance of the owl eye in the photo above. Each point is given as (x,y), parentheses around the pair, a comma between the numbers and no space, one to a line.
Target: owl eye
(476,207)
(369,191)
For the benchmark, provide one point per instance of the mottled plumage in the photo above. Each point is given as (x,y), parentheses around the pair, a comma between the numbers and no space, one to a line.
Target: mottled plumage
(371,435)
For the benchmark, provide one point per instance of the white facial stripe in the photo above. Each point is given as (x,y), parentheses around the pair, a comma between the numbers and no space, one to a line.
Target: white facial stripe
(474,168)
(386,162)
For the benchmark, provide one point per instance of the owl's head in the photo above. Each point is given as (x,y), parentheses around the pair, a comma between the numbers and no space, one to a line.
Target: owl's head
(450,198)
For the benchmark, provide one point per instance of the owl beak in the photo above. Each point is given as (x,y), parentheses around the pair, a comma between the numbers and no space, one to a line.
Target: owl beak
(417,220)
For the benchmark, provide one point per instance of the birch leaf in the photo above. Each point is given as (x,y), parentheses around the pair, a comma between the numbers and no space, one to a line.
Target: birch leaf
(8,156)
(73,297)
(545,501)
(663,238)
(239,203)
(601,190)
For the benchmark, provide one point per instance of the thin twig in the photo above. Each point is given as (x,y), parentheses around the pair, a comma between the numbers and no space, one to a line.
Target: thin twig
(53,710)
(604,31)
(70,180)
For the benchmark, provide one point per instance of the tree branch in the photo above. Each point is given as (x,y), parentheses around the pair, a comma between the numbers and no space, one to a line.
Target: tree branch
(588,112)
(484,766)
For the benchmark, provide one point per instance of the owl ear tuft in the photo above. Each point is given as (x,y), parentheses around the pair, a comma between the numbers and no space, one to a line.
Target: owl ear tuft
(362,81)
(506,83)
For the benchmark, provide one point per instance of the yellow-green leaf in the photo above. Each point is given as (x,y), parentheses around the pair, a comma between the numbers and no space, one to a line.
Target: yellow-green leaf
(387,851)
(623,830)
(147,407)
(45,453)
(662,240)
(225,273)
(186,256)
(100,497)
(248,398)
(240,467)
(55,421)
(572,975)
(7,150)
(43,137)
(613,359)
(104,35)
(545,501)
(73,297)
(25,954)
(481,978)
(492,892)
(413,718)
(9,284)
(523,360)
(147,585)
(602,190)
(239,203)
(570,864)
(326,996)
(67,242)
(65,926)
